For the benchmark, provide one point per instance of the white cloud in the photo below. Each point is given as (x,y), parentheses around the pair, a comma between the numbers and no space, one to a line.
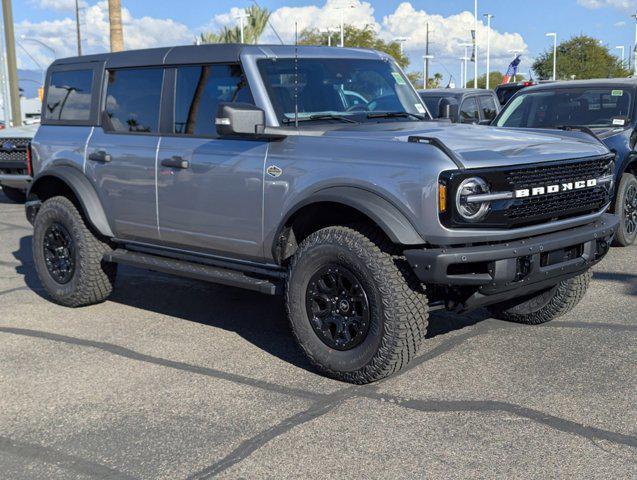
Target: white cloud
(143,32)
(59,5)
(626,5)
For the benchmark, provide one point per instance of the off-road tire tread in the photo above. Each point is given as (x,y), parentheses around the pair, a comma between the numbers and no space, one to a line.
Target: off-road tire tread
(405,305)
(566,296)
(96,276)
(620,239)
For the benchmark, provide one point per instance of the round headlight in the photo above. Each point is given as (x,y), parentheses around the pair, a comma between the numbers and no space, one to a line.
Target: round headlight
(468,208)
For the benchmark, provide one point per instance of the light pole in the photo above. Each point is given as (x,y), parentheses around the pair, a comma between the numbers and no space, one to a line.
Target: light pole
(242,17)
(489,17)
(401,41)
(329,32)
(342,8)
(635,51)
(554,35)
(462,63)
(623,50)
(426,71)
(475,44)
(466,59)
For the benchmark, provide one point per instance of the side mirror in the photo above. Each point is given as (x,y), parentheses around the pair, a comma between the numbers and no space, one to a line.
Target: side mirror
(448,108)
(239,119)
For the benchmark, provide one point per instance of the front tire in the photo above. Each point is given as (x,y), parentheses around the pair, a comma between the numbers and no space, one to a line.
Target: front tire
(15,194)
(68,256)
(544,306)
(355,307)
(626,210)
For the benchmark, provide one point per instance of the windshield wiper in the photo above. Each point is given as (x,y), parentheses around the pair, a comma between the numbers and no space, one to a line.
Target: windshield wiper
(395,115)
(580,128)
(320,116)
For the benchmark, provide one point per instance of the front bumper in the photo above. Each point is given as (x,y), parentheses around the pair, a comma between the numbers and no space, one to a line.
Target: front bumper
(500,271)
(15,181)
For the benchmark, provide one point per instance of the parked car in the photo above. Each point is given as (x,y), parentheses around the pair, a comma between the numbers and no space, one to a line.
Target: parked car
(506,91)
(461,105)
(14,174)
(604,108)
(246,166)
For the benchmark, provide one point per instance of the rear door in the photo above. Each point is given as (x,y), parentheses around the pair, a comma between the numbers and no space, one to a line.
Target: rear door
(121,153)
(210,190)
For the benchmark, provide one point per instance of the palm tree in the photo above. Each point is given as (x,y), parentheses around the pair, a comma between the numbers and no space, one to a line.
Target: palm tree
(115,19)
(252,31)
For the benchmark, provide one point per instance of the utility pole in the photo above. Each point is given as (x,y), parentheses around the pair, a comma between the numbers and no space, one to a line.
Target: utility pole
(12,64)
(427,56)
(489,17)
(554,35)
(115,20)
(77,28)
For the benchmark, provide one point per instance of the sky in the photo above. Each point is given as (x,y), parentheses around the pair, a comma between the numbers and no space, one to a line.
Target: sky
(518,25)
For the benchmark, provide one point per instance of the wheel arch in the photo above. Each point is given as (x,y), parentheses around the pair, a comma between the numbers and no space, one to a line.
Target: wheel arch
(343,205)
(70,182)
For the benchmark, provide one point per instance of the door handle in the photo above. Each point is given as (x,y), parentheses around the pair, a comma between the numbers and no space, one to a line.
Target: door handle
(100,156)
(175,162)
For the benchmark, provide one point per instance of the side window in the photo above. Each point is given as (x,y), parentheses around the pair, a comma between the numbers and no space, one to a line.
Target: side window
(198,93)
(69,95)
(489,110)
(132,100)
(469,111)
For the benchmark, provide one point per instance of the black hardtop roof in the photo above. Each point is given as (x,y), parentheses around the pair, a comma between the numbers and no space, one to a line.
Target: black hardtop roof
(221,53)
(453,91)
(596,82)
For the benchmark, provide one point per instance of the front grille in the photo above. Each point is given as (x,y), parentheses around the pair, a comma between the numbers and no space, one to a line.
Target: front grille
(533,210)
(13,152)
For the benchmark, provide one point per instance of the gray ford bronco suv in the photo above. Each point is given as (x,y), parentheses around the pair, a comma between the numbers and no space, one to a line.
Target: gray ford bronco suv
(316,173)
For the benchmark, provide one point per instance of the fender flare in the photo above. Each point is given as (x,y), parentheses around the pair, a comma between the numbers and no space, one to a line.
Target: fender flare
(391,220)
(84,192)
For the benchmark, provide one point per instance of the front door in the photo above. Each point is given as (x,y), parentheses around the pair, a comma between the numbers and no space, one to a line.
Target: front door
(121,154)
(210,190)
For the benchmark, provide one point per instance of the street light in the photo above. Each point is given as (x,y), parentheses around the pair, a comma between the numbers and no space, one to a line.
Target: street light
(242,17)
(623,50)
(342,8)
(401,41)
(426,71)
(554,35)
(635,52)
(329,32)
(466,59)
(475,45)
(489,17)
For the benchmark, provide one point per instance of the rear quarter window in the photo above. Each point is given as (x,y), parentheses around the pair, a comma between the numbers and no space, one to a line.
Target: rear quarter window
(69,96)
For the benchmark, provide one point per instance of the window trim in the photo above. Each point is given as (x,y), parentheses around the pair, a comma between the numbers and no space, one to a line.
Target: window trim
(104,91)
(171,95)
(93,118)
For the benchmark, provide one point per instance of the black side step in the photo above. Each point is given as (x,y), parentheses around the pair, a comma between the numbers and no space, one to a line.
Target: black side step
(197,271)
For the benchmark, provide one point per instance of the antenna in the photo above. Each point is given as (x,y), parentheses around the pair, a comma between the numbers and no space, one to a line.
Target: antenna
(296,74)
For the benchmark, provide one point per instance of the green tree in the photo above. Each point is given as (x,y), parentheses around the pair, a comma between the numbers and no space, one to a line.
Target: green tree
(356,37)
(581,56)
(254,27)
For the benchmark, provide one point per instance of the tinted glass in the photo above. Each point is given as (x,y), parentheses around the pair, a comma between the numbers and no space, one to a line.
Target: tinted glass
(344,87)
(69,95)
(432,103)
(132,100)
(488,108)
(469,111)
(199,91)
(588,107)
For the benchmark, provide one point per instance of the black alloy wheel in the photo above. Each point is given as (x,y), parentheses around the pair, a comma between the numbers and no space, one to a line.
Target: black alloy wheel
(59,253)
(630,210)
(338,308)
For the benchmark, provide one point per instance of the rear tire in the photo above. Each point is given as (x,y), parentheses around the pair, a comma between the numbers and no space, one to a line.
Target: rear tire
(15,194)
(544,306)
(68,256)
(388,307)
(626,210)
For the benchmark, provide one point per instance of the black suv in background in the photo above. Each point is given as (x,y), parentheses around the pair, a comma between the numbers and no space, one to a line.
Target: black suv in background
(602,108)
(506,91)
(461,105)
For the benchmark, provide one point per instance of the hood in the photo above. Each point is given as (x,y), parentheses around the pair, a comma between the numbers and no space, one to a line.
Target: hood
(26,131)
(478,146)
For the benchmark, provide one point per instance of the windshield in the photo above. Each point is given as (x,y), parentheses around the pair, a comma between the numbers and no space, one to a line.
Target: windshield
(593,107)
(328,89)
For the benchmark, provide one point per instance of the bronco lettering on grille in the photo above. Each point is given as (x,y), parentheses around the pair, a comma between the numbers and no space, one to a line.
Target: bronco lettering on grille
(549,189)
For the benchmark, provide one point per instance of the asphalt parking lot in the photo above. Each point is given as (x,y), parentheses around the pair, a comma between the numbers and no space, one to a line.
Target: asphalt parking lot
(180,379)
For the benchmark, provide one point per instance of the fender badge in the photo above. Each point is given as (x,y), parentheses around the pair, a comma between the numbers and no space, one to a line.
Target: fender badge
(274,171)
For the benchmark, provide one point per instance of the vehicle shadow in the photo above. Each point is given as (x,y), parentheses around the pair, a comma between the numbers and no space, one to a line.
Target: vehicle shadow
(259,319)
